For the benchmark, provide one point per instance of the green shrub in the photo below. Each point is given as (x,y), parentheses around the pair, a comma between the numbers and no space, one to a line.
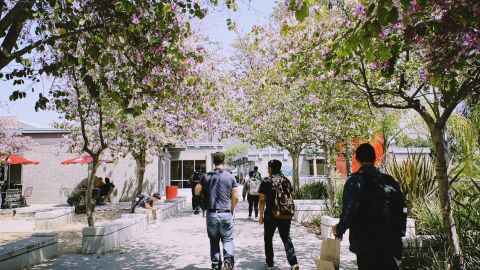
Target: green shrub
(428,217)
(333,207)
(466,211)
(416,176)
(313,191)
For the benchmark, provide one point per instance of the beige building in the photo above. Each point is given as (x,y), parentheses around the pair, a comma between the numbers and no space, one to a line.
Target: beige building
(50,178)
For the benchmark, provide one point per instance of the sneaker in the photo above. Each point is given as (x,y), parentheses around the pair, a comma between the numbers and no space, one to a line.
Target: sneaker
(295,267)
(228,265)
(267,266)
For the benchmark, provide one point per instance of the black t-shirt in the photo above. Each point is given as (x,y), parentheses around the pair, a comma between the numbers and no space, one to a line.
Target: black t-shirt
(267,190)
(217,186)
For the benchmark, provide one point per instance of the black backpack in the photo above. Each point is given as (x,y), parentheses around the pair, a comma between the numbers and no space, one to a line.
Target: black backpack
(383,210)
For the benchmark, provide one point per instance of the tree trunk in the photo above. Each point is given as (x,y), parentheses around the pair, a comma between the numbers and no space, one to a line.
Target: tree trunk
(438,139)
(348,155)
(295,177)
(140,170)
(330,173)
(88,197)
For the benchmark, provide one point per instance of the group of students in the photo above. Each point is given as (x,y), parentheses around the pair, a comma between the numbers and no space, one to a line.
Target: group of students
(219,187)
(373,208)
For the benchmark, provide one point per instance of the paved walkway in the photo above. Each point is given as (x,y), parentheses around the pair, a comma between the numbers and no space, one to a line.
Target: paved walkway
(182,243)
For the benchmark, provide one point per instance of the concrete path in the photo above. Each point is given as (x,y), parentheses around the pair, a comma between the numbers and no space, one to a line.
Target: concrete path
(182,243)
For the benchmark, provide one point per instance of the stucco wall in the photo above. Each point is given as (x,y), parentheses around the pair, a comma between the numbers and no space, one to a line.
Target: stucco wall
(123,175)
(50,176)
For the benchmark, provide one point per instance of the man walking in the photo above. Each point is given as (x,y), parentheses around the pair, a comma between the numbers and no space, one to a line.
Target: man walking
(374,210)
(275,188)
(220,190)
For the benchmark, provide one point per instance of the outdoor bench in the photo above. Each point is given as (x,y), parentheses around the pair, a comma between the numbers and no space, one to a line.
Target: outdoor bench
(106,237)
(29,251)
(52,220)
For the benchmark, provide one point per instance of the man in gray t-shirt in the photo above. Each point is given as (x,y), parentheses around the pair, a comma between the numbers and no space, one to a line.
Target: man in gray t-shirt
(220,190)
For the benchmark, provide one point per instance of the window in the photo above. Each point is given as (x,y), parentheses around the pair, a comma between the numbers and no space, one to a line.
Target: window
(176,170)
(321,167)
(188,166)
(201,165)
(181,170)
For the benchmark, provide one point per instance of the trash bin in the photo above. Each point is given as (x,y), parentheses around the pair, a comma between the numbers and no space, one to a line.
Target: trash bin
(171,192)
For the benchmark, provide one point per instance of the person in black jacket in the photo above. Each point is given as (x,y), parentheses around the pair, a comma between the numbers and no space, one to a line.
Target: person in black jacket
(374,209)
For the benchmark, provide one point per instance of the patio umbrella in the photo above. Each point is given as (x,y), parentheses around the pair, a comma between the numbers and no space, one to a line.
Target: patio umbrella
(15,160)
(86,159)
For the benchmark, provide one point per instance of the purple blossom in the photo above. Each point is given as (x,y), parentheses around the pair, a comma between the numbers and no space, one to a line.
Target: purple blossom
(360,11)
(135,19)
(423,75)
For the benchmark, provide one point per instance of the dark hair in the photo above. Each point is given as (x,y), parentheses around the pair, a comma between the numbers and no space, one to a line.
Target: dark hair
(251,173)
(107,180)
(255,168)
(157,195)
(218,158)
(365,153)
(275,165)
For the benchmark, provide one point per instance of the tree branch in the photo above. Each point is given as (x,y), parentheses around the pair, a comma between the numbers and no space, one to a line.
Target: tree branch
(6,57)
(17,14)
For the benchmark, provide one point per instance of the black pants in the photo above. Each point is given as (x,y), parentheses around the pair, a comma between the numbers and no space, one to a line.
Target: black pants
(270,224)
(194,200)
(377,260)
(253,203)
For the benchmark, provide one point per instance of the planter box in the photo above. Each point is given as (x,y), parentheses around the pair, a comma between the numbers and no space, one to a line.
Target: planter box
(411,233)
(29,251)
(54,219)
(306,210)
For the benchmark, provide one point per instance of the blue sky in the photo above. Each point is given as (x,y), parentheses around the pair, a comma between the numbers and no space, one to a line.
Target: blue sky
(255,12)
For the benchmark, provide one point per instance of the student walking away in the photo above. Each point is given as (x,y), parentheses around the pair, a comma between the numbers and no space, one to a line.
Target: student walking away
(197,201)
(145,201)
(374,209)
(220,189)
(250,189)
(276,211)
(256,173)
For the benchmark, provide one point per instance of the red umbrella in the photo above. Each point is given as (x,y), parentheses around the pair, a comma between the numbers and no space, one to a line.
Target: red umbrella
(86,159)
(14,160)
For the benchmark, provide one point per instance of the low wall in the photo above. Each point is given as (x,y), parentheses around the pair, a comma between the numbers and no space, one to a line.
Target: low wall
(306,210)
(52,220)
(28,251)
(106,237)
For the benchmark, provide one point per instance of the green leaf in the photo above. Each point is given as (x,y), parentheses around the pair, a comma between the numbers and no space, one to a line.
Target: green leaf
(385,55)
(374,28)
(284,29)
(370,9)
(383,16)
(302,13)
(393,15)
